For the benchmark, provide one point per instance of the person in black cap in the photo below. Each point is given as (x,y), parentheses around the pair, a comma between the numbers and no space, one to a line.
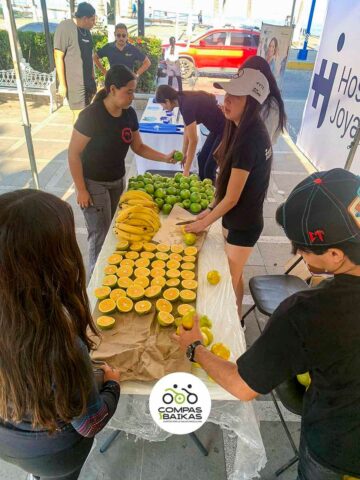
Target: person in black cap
(316,330)
(73,49)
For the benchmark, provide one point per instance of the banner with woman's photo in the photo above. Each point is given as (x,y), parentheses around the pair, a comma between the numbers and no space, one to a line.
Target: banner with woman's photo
(274,46)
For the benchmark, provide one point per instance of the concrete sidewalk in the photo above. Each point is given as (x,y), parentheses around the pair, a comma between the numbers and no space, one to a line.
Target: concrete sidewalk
(127,458)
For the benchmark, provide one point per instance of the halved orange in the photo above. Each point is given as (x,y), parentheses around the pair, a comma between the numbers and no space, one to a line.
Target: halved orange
(109,281)
(158,264)
(142,281)
(149,255)
(189,284)
(162,256)
(105,323)
(173,265)
(122,245)
(184,308)
(114,259)
(163,305)
(187,275)
(136,246)
(191,251)
(102,292)
(177,248)
(107,306)
(143,307)
(173,282)
(127,262)
(135,292)
(142,262)
(157,272)
(171,294)
(158,281)
(153,291)
(176,257)
(165,319)
(149,247)
(110,269)
(124,271)
(189,258)
(117,293)
(124,282)
(124,304)
(162,247)
(187,296)
(188,266)
(132,255)
(173,273)
(142,272)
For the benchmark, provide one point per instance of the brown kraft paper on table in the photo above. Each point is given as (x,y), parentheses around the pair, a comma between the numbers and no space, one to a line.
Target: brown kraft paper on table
(171,233)
(140,347)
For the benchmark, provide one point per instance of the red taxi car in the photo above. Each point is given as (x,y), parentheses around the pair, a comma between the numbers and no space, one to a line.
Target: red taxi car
(217,49)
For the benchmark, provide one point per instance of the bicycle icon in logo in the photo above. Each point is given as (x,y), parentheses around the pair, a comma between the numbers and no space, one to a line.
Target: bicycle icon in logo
(179,397)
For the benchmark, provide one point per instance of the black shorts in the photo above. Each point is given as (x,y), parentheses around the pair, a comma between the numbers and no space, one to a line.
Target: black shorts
(244,238)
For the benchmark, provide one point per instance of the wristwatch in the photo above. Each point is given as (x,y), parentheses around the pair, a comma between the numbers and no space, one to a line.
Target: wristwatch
(190,351)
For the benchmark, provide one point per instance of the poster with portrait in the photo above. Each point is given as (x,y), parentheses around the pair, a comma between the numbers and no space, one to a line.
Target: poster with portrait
(274,45)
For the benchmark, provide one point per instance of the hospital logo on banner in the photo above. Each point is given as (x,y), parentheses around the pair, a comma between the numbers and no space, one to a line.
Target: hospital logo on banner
(347,83)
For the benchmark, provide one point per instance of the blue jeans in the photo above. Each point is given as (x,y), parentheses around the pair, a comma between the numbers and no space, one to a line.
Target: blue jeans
(206,161)
(310,469)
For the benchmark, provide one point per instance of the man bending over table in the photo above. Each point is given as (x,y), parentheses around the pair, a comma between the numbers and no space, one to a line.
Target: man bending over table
(316,330)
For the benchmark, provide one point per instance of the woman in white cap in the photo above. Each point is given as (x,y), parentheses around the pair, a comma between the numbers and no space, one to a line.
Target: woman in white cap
(244,158)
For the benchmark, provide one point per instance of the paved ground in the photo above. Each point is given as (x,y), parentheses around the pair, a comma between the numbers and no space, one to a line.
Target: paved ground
(128,459)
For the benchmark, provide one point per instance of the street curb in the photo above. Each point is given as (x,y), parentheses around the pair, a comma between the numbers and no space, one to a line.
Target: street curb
(303,159)
(299,65)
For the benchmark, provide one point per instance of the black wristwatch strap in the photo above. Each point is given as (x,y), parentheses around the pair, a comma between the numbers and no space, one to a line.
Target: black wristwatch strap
(193,348)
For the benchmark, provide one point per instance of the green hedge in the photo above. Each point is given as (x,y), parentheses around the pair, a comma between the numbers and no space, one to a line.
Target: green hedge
(33,46)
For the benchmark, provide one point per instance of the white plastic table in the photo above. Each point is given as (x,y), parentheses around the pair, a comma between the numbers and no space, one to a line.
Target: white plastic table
(218,303)
(165,142)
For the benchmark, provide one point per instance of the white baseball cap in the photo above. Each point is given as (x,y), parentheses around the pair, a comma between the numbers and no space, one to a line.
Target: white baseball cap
(247,82)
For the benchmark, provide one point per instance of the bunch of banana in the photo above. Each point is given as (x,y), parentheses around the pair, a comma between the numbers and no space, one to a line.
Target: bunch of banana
(136,223)
(137,198)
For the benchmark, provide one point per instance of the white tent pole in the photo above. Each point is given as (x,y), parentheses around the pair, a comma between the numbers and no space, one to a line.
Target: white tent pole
(16,55)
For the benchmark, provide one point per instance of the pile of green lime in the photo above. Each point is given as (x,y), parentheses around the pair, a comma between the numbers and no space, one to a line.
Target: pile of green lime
(188,192)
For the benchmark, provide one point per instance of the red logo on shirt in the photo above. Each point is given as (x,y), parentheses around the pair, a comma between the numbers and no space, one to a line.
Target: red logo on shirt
(126,135)
(317,235)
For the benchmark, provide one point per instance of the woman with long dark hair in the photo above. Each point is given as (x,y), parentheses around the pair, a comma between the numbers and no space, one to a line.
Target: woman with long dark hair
(272,111)
(196,107)
(171,57)
(50,406)
(99,144)
(244,158)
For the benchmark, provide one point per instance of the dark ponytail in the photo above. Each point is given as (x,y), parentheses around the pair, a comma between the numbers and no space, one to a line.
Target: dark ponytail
(232,141)
(259,63)
(119,76)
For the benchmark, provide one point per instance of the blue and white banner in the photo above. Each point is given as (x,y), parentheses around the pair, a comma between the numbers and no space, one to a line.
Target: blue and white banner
(332,111)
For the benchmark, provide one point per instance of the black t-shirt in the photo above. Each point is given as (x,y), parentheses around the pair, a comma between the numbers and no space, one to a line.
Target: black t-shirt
(255,156)
(202,108)
(103,158)
(317,330)
(128,56)
(77,45)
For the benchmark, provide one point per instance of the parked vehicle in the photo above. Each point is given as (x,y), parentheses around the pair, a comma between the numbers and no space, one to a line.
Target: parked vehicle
(217,49)
(38,27)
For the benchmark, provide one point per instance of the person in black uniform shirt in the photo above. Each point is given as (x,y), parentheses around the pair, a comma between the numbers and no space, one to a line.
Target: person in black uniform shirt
(196,107)
(244,158)
(121,52)
(316,330)
(100,141)
(73,50)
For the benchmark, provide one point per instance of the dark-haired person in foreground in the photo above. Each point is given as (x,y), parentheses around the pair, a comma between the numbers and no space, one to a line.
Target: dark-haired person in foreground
(50,405)
(316,330)
(100,141)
